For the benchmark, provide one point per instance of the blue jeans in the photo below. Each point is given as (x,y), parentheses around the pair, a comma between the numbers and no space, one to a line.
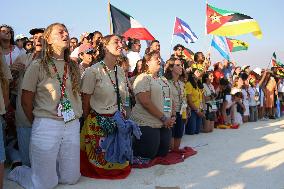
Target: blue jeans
(24,136)
(2,148)
(194,124)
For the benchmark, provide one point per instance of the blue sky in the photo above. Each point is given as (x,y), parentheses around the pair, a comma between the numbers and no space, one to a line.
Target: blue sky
(158,17)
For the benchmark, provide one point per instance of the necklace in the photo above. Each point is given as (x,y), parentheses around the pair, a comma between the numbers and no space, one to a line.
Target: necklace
(58,59)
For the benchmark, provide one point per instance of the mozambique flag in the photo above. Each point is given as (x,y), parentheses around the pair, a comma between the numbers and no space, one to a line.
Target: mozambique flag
(127,26)
(230,23)
(236,45)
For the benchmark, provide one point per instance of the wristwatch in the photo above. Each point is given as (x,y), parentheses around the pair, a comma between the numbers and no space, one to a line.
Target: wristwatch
(163,118)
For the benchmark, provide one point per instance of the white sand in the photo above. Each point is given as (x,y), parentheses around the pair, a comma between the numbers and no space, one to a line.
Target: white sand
(250,157)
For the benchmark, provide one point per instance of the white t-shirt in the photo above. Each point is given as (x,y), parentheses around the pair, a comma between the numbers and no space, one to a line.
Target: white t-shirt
(281,86)
(252,101)
(133,57)
(14,54)
(75,53)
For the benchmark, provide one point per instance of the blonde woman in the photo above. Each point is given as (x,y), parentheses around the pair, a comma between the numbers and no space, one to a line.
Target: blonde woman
(51,102)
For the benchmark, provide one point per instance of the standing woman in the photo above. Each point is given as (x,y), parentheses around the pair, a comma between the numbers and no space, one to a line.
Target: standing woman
(153,110)
(210,103)
(5,76)
(51,102)
(194,95)
(173,73)
(101,100)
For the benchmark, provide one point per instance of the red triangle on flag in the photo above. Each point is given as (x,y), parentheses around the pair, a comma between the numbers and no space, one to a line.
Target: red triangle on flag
(230,44)
(215,20)
(178,28)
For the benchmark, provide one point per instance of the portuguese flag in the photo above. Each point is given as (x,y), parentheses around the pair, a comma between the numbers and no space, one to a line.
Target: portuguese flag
(236,45)
(230,23)
(127,26)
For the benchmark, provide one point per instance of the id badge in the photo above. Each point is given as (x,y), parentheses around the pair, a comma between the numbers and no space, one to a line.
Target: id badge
(167,105)
(67,111)
(214,106)
(127,102)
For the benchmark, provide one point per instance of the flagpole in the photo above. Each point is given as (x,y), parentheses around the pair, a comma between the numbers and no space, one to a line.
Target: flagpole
(269,61)
(109,17)
(172,38)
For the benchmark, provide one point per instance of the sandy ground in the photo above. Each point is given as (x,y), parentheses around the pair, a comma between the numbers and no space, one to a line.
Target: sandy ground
(251,157)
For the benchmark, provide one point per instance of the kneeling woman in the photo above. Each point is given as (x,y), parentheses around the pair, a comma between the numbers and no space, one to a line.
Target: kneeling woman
(51,102)
(100,102)
(153,109)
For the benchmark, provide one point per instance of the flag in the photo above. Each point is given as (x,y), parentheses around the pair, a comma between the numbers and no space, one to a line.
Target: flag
(188,54)
(230,23)
(275,62)
(220,44)
(127,26)
(236,45)
(183,30)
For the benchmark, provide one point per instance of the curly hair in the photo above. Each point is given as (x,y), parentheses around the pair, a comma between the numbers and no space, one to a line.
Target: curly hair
(12,41)
(47,54)
(146,58)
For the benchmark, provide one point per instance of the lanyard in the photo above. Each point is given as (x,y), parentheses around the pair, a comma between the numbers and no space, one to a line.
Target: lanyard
(62,81)
(178,88)
(164,95)
(115,85)
(10,54)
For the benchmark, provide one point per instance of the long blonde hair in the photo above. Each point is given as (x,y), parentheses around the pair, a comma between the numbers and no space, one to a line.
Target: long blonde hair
(47,54)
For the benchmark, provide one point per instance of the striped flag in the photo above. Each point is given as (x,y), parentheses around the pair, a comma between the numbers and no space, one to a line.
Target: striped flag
(220,44)
(183,30)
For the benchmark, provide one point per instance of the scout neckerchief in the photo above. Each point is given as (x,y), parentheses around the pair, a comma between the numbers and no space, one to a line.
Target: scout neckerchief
(64,107)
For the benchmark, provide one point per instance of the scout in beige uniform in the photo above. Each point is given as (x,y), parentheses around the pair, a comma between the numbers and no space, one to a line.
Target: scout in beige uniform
(51,102)
(100,101)
(153,109)
(24,126)
(174,73)
(5,76)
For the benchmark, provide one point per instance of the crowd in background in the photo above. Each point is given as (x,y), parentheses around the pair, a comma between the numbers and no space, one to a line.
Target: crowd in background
(90,106)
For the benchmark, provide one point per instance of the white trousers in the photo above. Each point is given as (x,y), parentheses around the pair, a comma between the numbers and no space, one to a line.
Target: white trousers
(54,155)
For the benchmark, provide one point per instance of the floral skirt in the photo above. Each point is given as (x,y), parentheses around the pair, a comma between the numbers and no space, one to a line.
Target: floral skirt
(93,163)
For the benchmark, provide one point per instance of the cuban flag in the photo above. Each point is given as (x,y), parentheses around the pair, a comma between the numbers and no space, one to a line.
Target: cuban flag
(183,30)
(220,44)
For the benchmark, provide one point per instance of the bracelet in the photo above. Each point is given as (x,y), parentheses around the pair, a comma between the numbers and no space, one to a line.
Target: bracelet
(163,118)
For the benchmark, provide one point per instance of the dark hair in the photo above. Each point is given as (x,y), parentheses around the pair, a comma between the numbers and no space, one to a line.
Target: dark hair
(244,75)
(146,58)
(136,71)
(192,81)
(97,32)
(178,46)
(197,54)
(206,76)
(168,70)
(74,38)
(131,41)
(12,42)
(224,82)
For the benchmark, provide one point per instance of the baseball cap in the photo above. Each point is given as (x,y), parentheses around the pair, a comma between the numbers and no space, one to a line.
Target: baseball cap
(86,34)
(245,67)
(257,71)
(20,36)
(85,48)
(36,30)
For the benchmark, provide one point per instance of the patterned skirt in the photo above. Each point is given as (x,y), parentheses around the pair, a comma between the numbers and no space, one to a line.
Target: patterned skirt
(93,163)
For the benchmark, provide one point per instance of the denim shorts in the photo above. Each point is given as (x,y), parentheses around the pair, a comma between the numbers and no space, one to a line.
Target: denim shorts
(2,149)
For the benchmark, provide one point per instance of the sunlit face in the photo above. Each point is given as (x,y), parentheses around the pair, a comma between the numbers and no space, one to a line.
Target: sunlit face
(200,57)
(136,46)
(5,33)
(20,43)
(73,43)
(178,52)
(88,57)
(37,40)
(139,66)
(59,37)
(29,45)
(155,46)
(177,68)
(154,64)
(97,37)
(114,46)
(211,77)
